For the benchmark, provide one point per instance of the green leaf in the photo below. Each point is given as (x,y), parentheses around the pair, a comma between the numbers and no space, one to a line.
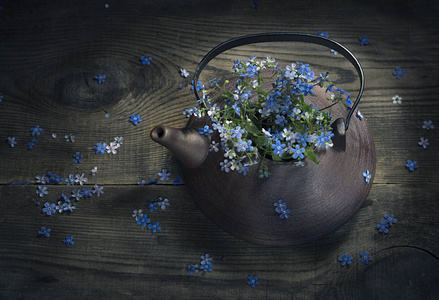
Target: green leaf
(251,128)
(275,157)
(311,155)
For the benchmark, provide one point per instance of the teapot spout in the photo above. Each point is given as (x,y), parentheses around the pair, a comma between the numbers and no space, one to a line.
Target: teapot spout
(190,147)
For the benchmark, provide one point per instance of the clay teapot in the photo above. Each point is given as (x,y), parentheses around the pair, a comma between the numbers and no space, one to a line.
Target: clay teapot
(322,197)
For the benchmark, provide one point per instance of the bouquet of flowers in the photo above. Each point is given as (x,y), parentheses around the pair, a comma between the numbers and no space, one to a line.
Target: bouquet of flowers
(255,124)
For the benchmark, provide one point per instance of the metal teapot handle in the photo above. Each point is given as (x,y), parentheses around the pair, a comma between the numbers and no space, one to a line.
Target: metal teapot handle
(285,37)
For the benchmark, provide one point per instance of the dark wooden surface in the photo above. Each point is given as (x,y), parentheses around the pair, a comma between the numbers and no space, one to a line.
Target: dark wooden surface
(51,50)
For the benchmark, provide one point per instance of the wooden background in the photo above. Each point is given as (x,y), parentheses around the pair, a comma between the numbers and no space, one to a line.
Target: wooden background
(51,50)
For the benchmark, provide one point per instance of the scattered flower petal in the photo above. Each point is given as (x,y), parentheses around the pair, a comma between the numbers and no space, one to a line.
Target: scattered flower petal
(367,176)
(382,227)
(44,231)
(427,125)
(252,281)
(345,259)
(363,40)
(164,175)
(154,227)
(423,142)
(36,130)
(390,219)
(412,165)
(77,158)
(146,60)
(192,269)
(135,119)
(397,99)
(399,73)
(98,190)
(365,257)
(12,142)
(100,78)
(42,191)
(184,73)
(68,240)
(49,208)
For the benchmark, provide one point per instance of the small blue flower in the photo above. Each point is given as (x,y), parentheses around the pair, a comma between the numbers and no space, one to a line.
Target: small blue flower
(280,205)
(100,148)
(345,259)
(163,202)
(323,34)
(365,257)
(237,132)
(42,191)
(98,190)
(153,181)
(278,148)
(100,78)
(284,213)
(363,40)
(177,181)
(142,182)
(142,220)
(382,227)
(68,240)
(252,281)
(146,60)
(423,142)
(199,86)
(152,206)
(427,125)
(237,109)
(367,176)
(77,158)
(12,142)
(70,180)
(164,175)
(255,4)
(359,115)
(77,194)
(298,152)
(135,119)
(206,130)
(399,72)
(36,130)
(32,144)
(86,192)
(49,208)
(412,165)
(206,267)
(206,259)
(192,269)
(154,227)
(44,231)
(390,219)
(302,138)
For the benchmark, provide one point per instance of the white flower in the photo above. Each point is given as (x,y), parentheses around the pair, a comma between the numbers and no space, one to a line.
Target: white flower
(94,171)
(230,154)
(184,73)
(81,179)
(119,141)
(396,99)
(112,148)
(266,132)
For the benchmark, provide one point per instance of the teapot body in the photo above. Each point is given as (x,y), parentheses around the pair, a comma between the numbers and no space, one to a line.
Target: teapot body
(321,197)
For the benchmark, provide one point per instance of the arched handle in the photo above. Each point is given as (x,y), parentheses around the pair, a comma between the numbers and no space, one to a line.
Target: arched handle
(284,37)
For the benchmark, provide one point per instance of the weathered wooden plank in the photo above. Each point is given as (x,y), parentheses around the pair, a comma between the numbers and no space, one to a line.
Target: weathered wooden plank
(124,258)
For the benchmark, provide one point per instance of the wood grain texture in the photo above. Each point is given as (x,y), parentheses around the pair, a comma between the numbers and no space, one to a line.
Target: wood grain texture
(49,53)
